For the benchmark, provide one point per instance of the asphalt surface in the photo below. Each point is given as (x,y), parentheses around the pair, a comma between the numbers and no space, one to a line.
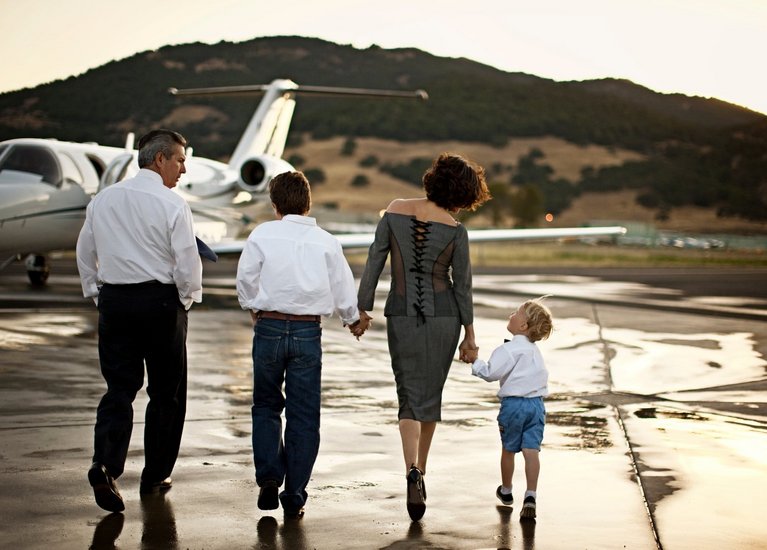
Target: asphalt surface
(655,432)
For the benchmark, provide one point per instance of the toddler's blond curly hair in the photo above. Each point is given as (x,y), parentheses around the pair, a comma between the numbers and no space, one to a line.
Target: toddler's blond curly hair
(539,323)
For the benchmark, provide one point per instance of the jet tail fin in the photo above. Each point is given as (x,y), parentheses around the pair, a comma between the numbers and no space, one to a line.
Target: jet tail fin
(267,131)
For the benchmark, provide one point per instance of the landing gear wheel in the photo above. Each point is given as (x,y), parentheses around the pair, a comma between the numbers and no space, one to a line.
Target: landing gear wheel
(37,269)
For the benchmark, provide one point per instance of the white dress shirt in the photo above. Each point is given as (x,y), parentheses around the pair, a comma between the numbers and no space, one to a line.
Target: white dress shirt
(293,266)
(518,364)
(138,230)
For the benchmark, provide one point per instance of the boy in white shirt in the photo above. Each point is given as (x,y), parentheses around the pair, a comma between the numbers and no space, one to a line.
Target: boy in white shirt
(290,274)
(519,366)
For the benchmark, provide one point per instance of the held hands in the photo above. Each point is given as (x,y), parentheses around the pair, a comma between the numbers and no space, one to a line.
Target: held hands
(359,328)
(469,352)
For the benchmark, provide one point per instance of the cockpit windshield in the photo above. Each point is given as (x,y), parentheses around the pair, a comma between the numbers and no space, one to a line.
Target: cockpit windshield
(29,163)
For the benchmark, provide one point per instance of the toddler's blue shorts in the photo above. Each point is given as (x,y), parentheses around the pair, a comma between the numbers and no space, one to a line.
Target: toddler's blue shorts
(521,421)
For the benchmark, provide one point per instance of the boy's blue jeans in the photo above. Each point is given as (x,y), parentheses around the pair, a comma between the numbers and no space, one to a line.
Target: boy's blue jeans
(289,352)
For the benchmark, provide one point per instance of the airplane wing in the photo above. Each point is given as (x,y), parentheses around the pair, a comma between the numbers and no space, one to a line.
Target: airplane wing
(350,241)
(552,233)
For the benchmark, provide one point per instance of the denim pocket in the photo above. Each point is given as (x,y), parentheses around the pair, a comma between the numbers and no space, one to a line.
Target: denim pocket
(306,348)
(266,345)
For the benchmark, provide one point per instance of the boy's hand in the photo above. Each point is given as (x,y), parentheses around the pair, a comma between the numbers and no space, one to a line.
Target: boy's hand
(469,352)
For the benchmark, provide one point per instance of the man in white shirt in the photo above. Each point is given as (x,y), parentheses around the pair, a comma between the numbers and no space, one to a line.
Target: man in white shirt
(291,272)
(138,259)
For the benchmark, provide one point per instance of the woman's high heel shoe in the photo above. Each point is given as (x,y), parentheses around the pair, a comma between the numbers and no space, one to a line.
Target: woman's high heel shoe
(416,494)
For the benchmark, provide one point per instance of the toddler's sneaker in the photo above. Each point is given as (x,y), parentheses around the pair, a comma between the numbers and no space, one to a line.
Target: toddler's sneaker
(507,500)
(528,508)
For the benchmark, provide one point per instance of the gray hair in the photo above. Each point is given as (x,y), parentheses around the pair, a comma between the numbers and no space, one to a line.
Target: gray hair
(157,141)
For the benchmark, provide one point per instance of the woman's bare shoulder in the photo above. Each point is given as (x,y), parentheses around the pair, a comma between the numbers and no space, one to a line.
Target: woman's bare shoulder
(403,206)
(422,209)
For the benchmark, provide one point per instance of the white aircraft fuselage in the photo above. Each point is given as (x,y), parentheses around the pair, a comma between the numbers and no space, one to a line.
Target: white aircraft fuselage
(45,186)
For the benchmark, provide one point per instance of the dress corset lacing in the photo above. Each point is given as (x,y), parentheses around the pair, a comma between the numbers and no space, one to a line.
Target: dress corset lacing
(419,237)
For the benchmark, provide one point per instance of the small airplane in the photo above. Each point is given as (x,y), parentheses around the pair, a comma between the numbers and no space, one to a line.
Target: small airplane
(46,185)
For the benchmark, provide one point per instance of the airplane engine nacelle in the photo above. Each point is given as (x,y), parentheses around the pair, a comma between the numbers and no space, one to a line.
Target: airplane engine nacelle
(256,172)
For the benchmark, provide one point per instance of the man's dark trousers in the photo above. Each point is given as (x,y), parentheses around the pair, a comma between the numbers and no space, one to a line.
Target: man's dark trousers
(138,324)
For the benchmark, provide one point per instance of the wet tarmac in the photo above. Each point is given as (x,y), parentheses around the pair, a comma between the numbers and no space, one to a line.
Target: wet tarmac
(656,430)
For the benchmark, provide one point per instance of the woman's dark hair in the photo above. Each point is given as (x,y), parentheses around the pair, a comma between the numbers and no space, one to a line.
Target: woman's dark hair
(454,183)
(290,193)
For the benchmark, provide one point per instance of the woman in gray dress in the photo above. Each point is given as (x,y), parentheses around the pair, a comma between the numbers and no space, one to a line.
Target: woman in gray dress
(428,302)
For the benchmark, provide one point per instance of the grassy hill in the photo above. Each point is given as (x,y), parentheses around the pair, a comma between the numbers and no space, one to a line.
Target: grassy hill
(339,197)
(560,145)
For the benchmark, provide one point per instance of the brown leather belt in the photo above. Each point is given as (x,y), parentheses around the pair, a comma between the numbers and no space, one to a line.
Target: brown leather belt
(287,316)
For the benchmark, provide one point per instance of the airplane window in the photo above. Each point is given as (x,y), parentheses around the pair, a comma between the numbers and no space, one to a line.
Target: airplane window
(33,161)
(70,170)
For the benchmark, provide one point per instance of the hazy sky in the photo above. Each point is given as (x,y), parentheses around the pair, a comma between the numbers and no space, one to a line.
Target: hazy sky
(710,48)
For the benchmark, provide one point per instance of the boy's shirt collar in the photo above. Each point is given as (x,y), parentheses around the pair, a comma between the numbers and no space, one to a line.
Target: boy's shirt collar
(297,218)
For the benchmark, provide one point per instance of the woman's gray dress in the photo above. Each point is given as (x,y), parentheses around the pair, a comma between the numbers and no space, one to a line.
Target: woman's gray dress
(429,300)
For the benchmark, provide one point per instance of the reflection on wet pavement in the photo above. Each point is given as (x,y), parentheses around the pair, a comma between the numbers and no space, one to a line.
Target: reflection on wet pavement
(158,523)
(709,461)
(107,532)
(586,431)
(649,363)
(29,330)
(489,289)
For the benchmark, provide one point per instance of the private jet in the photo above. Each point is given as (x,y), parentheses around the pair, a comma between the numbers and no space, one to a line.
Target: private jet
(45,184)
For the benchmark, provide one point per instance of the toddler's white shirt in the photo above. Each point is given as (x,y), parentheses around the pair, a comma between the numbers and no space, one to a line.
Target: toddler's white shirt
(519,366)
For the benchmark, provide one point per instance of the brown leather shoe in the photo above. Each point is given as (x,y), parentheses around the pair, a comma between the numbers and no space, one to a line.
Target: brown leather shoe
(294,514)
(154,487)
(105,489)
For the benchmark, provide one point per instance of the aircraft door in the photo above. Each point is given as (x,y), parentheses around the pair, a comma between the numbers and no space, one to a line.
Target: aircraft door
(121,167)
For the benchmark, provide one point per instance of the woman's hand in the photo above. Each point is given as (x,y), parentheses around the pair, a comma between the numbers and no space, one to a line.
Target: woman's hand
(468,350)
(362,326)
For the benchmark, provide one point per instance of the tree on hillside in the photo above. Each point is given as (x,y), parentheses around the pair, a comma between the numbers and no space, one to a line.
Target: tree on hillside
(296,160)
(527,206)
(500,207)
(349,146)
(315,175)
(529,171)
(557,195)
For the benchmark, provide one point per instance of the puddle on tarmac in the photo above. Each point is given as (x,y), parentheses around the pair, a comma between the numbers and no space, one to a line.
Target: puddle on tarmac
(20,332)
(690,459)
(569,285)
(654,412)
(649,363)
(587,432)
(640,362)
